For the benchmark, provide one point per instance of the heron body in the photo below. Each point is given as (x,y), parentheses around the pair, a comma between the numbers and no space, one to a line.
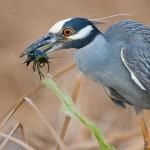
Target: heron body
(101,61)
(119,58)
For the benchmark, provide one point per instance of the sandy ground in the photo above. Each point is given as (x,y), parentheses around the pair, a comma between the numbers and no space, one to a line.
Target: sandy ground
(22,22)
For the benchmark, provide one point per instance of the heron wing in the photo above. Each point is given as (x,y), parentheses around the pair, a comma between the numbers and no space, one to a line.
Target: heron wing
(137,61)
(116,97)
(129,31)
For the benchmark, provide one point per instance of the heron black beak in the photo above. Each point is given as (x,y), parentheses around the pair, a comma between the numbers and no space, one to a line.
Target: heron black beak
(47,43)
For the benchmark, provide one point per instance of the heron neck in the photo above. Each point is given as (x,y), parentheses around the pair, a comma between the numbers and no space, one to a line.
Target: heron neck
(92,55)
(99,42)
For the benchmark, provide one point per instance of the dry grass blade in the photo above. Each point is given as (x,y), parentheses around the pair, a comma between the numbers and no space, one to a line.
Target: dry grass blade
(5,141)
(23,133)
(121,137)
(74,96)
(64,69)
(84,146)
(137,146)
(52,131)
(34,89)
(11,113)
(28,93)
(103,20)
(114,139)
(77,86)
(61,144)
(19,125)
(26,146)
(125,14)
(70,110)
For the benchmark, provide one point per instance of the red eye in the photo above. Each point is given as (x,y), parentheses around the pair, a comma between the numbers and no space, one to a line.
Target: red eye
(67,31)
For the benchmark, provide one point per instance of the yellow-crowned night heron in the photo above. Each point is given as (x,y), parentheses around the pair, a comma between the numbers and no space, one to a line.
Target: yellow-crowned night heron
(119,58)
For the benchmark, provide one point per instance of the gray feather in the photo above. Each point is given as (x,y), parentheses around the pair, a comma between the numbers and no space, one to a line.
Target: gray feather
(137,60)
(123,30)
(116,97)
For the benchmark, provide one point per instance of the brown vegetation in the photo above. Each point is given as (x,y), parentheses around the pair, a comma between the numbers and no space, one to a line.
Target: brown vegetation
(22,22)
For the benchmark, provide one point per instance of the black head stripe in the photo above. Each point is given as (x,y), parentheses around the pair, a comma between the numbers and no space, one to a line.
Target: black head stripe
(78,24)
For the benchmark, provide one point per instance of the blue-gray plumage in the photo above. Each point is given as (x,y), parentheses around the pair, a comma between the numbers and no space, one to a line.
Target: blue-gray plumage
(119,58)
(101,60)
(137,59)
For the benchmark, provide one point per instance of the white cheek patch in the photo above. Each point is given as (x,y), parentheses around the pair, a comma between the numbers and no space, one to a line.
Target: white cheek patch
(58,26)
(134,78)
(82,33)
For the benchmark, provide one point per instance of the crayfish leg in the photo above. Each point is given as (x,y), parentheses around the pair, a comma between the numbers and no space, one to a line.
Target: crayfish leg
(34,66)
(39,71)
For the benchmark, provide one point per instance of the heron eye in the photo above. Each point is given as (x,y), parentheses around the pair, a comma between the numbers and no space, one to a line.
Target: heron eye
(67,31)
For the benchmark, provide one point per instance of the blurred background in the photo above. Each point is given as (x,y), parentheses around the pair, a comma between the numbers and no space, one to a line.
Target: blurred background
(23,22)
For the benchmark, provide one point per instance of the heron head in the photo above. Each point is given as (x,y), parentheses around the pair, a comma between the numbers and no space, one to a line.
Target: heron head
(65,34)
